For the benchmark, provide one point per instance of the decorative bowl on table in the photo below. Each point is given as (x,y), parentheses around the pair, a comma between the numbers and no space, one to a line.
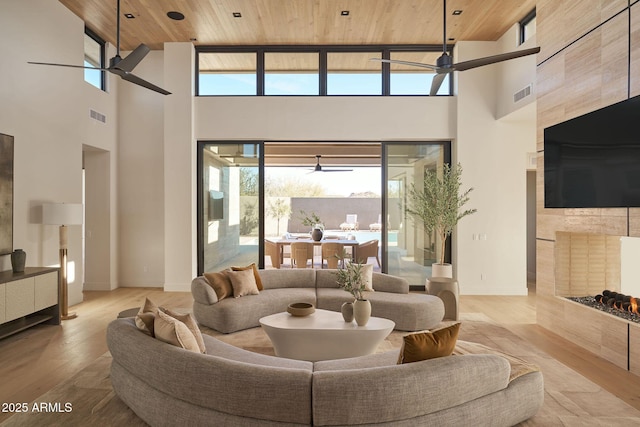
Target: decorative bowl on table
(300,309)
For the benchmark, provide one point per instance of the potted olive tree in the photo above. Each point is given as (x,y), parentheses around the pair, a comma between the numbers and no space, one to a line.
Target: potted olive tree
(437,205)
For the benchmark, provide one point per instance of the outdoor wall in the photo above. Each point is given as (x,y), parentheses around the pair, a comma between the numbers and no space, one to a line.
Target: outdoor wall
(333,211)
(46,109)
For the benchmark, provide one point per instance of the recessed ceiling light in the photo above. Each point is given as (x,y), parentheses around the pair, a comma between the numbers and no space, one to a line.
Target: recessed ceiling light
(237,15)
(344,13)
(193,39)
(129,15)
(451,39)
(457,12)
(176,16)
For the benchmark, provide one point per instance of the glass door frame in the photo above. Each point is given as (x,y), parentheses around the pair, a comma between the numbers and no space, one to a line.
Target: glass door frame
(200,200)
(446,146)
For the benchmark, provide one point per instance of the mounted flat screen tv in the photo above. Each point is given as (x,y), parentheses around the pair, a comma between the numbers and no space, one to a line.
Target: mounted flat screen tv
(593,161)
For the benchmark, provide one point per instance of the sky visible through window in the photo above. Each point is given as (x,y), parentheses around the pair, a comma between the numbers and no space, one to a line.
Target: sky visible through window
(307,84)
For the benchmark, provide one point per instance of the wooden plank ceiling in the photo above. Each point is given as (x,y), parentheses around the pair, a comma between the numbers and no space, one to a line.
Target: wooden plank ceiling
(298,22)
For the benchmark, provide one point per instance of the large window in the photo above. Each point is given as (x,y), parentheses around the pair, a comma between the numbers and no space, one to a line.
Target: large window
(223,73)
(315,70)
(291,73)
(353,73)
(411,80)
(94,56)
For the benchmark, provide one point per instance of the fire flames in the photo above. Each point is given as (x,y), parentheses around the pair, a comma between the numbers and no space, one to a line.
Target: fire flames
(619,301)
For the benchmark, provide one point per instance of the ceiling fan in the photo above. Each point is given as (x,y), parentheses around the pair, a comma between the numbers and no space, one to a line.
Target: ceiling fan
(318,167)
(119,66)
(444,64)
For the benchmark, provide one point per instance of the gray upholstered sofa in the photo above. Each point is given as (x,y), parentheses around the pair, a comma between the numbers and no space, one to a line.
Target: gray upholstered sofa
(391,300)
(166,385)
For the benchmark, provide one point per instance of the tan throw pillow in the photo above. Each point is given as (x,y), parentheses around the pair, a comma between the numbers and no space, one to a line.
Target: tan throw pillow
(191,323)
(256,275)
(220,283)
(146,316)
(244,283)
(170,330)
(429,344)
(367,275)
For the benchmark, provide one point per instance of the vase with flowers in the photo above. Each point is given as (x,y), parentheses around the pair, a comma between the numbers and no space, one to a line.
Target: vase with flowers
(350,278)
(312,220)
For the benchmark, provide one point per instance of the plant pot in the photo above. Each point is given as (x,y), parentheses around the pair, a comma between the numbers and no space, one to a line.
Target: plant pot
(18,258)
(362,311)
(347,312)
(442,270)
(316,234)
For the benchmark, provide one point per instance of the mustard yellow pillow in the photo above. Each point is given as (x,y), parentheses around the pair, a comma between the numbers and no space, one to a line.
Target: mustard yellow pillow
(146,316)
(256,275)
(191,323)
(170,330)
(244,283)
(220,283)
(429,344)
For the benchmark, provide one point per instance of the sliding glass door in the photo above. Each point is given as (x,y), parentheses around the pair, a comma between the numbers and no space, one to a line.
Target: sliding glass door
(408,251)
(230,227)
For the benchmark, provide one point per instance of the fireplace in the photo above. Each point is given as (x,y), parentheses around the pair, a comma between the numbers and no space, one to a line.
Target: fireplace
(584,265)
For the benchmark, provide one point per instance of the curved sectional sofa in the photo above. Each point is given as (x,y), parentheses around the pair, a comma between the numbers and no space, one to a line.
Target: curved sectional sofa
(229,386)
(391,300)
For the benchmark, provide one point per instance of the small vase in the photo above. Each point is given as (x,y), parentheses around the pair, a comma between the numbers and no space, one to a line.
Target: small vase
(18,258)
(316,234)
(347,311)
(362,311)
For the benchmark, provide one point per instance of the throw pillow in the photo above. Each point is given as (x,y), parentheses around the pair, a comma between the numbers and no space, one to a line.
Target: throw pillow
(429,344)
(367,275)
(146,316)
(243,283)
(170,330)
(220,283)
(256,275)
(191,323)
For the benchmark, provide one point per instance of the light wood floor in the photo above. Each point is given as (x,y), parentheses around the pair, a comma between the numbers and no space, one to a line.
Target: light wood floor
(34,361)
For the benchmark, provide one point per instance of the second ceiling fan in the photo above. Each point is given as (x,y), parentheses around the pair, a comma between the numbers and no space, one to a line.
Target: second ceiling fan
(319,168)
(445,65)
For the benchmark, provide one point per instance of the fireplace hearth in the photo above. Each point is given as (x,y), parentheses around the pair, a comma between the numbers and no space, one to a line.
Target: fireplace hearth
(615,303)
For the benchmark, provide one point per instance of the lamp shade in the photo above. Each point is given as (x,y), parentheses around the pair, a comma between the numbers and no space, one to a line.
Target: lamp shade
(62,213)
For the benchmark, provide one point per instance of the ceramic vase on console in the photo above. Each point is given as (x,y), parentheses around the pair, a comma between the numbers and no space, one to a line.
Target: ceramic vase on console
(362,311)
(347,311)
(18,258)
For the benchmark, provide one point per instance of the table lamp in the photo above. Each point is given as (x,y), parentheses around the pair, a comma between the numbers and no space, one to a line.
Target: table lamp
(63,214)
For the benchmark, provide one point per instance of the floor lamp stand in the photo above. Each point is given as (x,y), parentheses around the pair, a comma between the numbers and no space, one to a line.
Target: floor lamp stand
(63,285)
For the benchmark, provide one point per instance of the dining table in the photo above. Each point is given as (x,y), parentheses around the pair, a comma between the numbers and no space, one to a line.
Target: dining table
(281,243)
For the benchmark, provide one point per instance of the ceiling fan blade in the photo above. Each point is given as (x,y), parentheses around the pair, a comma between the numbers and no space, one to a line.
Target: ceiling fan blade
(67,65)
(436,83)
(129,63)
(474,63)
(141,82)
(414,64)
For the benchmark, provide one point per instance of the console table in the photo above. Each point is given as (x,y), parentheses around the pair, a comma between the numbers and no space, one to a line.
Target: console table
(28,298)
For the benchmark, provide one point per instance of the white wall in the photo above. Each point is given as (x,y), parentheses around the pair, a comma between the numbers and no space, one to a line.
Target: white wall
(493,154)
(46,110)
(141,174)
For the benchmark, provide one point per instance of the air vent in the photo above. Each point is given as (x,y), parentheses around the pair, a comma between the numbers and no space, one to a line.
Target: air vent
(532,160)
(98,116)
(521,94)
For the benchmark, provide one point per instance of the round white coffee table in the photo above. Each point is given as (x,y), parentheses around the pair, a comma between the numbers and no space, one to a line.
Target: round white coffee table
(323,335)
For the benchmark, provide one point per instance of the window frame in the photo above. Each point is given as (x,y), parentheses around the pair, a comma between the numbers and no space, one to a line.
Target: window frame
(322,50)
(524,22)
(103,53)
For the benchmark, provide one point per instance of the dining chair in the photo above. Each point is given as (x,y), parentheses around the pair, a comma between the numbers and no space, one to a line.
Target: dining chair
(301,252)
(332,252)
(271,250)
(366,250)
